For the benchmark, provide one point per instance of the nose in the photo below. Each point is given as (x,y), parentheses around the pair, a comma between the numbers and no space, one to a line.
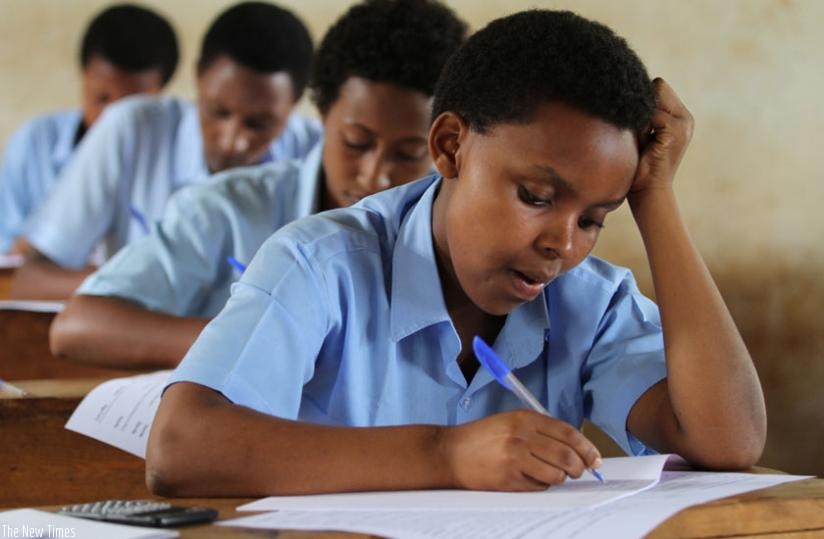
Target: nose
(373,174)
(233,142)
(558,236)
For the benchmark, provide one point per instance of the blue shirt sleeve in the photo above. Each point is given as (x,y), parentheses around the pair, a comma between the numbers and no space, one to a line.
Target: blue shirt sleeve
(234,353)
(81,208)
(626,359)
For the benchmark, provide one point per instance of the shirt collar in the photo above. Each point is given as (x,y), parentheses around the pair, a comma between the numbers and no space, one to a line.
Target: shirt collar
(414,271)
(64,145)
(310,182)
(190,163)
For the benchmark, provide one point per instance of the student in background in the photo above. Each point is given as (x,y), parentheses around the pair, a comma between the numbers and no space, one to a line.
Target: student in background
(125,50)
(373,79)
(253,66)
(343,359)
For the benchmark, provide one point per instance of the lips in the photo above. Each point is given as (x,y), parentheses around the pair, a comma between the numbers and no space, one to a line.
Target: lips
(528,284)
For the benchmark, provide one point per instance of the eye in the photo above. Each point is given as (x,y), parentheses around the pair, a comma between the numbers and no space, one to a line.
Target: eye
(589,223)
(218,112)
(531,199)
(260,124)
(356,145)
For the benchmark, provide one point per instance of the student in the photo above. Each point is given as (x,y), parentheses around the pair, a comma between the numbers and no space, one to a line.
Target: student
(125,50)
(342,360)
(375,100)
(253,66)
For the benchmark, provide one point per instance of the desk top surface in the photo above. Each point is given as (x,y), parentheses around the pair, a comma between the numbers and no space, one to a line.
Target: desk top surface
(791,508)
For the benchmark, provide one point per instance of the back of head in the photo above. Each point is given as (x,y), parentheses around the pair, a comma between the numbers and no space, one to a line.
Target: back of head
(505,71)
(131,38)
(402,42)
(262,37)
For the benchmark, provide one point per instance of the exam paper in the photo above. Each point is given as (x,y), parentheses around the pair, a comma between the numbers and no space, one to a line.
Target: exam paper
(11,261)
(624,476)
(627,518)
(32,305)
(120,412)
(33,523)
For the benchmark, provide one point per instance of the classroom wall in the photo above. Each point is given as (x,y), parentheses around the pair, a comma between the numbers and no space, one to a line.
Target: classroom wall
(749,70)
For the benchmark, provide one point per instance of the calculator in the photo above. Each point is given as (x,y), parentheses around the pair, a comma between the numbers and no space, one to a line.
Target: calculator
(140,512)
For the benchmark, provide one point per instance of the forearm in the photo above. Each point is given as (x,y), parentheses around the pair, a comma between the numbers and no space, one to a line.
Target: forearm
(714,393)
(117,333)
(40,278)
(253,454)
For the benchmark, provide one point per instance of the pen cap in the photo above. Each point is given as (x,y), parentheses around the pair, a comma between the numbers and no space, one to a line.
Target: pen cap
(490,360)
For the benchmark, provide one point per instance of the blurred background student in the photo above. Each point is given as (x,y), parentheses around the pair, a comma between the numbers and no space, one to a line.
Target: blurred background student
(372,81)
(253,66)
(125,50)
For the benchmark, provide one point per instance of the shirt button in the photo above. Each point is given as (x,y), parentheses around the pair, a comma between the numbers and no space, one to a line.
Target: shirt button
(465,402)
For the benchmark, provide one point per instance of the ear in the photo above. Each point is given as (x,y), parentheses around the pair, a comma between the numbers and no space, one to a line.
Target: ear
(445,136)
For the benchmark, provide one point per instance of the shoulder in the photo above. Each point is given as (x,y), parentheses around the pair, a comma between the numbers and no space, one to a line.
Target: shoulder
(45,127)
(599,276)
(147,109)
(259,182)
(370,226)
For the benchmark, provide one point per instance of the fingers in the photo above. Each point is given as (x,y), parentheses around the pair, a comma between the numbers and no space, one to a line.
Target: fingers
(520,450)
(670,113)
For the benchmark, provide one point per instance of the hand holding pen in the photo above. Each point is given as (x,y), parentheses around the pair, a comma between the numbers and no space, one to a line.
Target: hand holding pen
(503,374)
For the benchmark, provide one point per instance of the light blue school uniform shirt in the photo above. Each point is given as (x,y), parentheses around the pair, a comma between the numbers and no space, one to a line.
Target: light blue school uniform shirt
(140,151)
(340,319)
(182,267)
(34,156)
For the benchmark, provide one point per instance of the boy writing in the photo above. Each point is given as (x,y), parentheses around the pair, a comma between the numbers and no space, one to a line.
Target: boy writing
(125,50)
(343,359)
(253,66)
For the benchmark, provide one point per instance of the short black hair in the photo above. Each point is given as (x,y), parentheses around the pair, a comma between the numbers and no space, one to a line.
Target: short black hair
(262,37)
(133,38)
(505,71)
(403,42)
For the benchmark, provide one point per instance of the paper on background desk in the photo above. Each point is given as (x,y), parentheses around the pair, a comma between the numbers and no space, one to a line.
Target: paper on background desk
(11,261)
(33,523)
(120,412)
(629,517)
(625,476)
(32,305)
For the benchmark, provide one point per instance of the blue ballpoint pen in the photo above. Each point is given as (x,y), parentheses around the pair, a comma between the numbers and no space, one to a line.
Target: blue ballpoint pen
(140,218)
(494,364)
(237,264)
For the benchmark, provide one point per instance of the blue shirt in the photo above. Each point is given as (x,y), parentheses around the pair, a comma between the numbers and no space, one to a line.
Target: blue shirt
(181,268)
(340,319)
(34,156)
(140,151)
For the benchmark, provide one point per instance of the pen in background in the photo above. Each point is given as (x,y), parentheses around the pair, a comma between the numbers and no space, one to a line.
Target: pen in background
(10,389)
(237,264)
(504,375)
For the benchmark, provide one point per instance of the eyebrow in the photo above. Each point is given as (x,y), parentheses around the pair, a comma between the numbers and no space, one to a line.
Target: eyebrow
(558,181)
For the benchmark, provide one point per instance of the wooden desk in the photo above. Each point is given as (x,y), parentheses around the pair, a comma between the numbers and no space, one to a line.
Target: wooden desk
(25,354)
(790,510)
(6,275)
(42,463)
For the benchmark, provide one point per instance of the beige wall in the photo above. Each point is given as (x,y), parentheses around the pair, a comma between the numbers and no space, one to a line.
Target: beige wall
(750,187)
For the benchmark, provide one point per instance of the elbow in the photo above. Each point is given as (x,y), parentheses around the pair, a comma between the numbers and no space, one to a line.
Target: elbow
(738,452)
(161,467)
(65,339)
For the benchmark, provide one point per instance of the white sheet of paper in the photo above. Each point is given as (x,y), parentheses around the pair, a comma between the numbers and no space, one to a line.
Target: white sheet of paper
(10,262)
(120,412)
(624,476)
(32,305)
(33,523)
(629,517)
